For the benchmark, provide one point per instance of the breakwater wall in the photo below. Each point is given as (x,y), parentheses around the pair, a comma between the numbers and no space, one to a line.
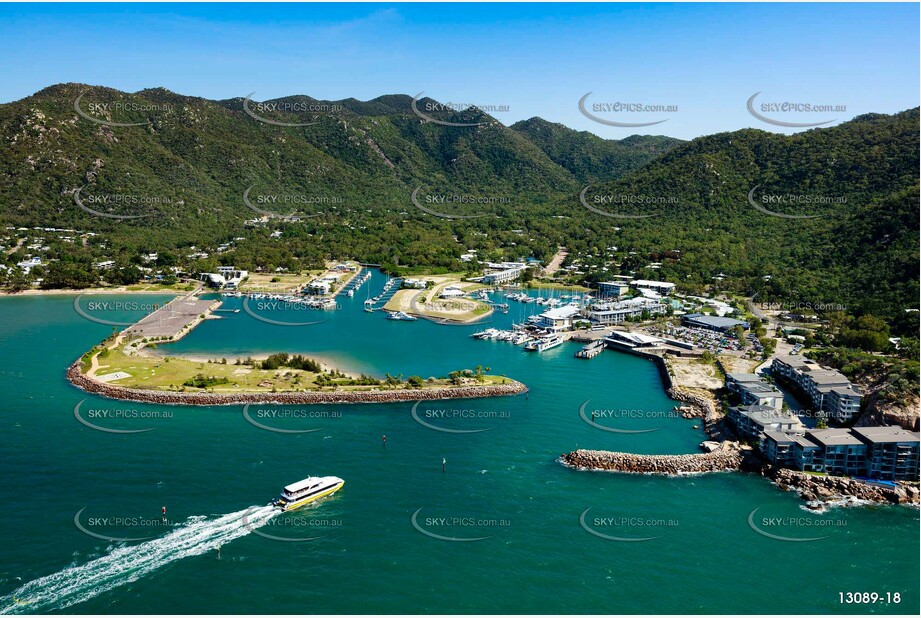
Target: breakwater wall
(730,456)
(83,382)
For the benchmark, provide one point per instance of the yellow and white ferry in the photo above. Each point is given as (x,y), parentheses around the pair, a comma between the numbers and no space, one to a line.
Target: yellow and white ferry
(304,492)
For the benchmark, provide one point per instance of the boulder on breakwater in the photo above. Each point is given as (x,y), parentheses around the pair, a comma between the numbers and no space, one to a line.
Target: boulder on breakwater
(82,381)
(730,456)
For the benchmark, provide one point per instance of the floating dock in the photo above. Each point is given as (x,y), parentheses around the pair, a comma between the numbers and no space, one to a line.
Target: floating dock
(591,350)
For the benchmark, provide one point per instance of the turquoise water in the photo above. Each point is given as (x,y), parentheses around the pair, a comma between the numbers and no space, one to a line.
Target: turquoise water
(209,465)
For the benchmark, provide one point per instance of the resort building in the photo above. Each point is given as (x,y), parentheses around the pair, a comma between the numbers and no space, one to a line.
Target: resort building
(558,319)
(451,292)
(882,453)
(415,284)
(828,389)
(612,289)
(232,276)
(892,452)
(712,322)
(752,389)
(840,452)
(662,287)
(505,275)
(616,312)
(318,286)
(753,420)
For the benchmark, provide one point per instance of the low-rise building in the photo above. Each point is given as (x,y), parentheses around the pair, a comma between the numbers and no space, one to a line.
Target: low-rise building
(712,322)
(751,388)
(779,448)
(318,286)
(892,452)
(828,389)
(498,277)
(415,284)
(662,287)
(558,319)
(605,313)
(753,420)
(612,289)
(840,451)
(451,292)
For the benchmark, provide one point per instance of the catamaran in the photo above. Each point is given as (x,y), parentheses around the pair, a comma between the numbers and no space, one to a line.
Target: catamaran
(306,491)
(545,343)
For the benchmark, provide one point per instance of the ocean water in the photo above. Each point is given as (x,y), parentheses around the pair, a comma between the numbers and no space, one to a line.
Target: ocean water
(527,535)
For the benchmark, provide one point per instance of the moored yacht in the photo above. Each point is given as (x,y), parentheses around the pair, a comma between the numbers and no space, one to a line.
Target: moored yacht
(306,491)
(399,315)
(545,343)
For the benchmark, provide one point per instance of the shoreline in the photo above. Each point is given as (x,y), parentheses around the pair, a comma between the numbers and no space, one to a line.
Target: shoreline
(61,292)
(90,385)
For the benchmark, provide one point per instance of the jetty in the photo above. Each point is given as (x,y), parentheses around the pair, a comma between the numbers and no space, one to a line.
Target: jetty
(591,350)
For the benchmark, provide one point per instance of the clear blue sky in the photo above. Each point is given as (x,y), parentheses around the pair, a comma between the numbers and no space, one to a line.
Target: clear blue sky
(538,59)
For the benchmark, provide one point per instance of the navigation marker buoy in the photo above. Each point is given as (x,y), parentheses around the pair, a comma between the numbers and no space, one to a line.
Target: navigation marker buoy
(443,463)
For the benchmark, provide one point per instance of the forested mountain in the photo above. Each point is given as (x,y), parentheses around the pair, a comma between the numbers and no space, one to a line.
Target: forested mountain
(590,158)
(189,161)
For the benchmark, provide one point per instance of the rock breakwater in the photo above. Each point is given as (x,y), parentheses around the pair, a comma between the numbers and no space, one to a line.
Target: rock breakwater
(730,456)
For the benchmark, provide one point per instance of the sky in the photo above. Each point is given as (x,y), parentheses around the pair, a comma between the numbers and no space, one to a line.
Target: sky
(698,64)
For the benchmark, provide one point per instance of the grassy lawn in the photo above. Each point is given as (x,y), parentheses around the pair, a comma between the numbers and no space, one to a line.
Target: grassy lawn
(170,372)
(159,287)
(546,285)
(265,282)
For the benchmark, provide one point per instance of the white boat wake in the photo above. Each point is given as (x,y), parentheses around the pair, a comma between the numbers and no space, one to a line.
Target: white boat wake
(129,563)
